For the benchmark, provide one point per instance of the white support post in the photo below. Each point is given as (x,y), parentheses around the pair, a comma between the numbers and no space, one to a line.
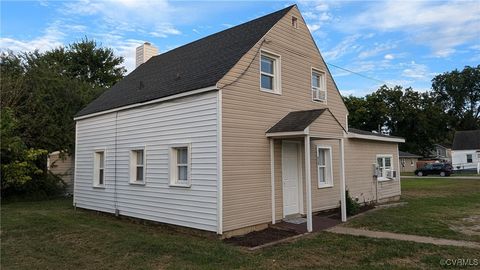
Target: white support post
(343,199)
(308,183)
(272,176)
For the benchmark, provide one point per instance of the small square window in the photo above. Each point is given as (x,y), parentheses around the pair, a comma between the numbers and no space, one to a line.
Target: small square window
(180,166)
(469,158)
(137,166)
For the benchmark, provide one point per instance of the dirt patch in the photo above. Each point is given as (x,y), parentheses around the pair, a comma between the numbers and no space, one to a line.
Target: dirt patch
(262,237)
(469,225)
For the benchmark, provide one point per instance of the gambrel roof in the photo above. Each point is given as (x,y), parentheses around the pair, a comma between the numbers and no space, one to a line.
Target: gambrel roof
(196,65)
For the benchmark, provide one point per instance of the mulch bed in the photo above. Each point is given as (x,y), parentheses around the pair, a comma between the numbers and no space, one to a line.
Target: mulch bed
(262,237)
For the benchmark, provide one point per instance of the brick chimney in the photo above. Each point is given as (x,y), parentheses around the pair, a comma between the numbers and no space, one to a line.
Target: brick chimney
(145,52)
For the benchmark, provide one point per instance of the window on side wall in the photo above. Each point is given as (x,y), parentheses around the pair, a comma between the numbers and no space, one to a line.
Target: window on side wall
(137,166)
(385,167)
(180,163)
(469,158)
(99,169)
(270,73)
(324,166)
(319,87)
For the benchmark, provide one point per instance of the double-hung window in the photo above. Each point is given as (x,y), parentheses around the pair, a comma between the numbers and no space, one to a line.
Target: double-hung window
(319,88)
(180,166)
(270,73)
(469,158)
(384,165)
(137,166)
(324,166)
(99,169)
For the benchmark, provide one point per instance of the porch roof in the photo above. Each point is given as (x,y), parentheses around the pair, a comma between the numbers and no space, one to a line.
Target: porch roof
(296,121)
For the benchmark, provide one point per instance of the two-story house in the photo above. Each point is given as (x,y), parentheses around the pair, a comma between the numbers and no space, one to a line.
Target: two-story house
(230,133)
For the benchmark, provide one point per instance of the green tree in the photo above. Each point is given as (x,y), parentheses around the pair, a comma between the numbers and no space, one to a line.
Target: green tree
(459,94)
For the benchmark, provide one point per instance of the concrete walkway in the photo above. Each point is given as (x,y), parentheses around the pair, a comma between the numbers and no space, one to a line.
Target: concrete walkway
(440,177)
(403,237)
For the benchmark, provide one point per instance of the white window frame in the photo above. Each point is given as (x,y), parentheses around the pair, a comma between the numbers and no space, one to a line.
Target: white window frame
(471,158)
(328,167)
(382,173)
(173,166)
(322,83)
(97,168)
(277,72)
(133,166)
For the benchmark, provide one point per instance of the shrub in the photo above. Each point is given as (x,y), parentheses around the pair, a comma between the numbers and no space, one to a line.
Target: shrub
(352,205)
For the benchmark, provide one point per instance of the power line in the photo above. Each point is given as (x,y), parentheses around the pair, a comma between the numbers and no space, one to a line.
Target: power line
(361,75)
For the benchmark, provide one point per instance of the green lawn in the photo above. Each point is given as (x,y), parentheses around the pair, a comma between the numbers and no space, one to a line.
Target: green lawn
(436,207)
(453,175)
(50,235)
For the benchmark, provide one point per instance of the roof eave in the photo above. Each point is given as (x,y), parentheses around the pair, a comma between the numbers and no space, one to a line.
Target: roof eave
(352,135)
(158,100)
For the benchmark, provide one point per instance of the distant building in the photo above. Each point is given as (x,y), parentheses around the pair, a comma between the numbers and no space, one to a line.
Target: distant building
(441,153)
(466,150)
(408,161)
(62,165)
(144,52)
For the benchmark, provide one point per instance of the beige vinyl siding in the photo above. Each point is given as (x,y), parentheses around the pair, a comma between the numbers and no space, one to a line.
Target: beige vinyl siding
(248,112)
(360,155)
(325,126)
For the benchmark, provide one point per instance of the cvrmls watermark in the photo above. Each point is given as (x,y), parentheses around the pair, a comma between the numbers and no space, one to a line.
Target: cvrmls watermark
(460,262)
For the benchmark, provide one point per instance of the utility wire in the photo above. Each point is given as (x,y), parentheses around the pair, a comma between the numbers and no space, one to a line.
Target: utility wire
(361,75)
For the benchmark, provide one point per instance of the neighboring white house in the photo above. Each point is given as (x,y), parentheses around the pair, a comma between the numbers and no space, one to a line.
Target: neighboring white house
(466,150)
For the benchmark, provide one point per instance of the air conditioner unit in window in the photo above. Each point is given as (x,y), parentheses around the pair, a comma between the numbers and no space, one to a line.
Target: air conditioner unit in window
(391,174)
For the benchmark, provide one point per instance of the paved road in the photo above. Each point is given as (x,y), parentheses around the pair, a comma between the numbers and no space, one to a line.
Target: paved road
(439,177)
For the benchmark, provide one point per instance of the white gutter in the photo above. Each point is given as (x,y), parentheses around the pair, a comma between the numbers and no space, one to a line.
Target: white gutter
(189,93)
(374,138)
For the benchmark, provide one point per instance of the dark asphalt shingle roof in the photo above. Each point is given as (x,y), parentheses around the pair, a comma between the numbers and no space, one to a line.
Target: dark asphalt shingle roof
(363,132)
(196,65)
(466,140)
(296,121)
(408,155)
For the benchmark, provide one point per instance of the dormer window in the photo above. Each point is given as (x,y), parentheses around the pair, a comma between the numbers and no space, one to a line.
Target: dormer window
(319,86)
(270,73)
(294,22)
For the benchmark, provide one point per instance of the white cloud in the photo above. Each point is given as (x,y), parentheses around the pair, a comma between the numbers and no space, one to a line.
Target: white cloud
(52,37)
(377,48)
(439,25)
(347,45)
(389,56)
(129,15)
(416,71)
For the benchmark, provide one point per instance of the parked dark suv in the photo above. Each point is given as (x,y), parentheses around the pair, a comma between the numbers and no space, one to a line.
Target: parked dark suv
(441,169)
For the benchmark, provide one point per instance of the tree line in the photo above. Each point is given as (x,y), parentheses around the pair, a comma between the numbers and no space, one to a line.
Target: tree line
(422,118)
(40,94)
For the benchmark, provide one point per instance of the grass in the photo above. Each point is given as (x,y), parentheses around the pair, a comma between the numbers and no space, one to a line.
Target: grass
(436,207)
(51,235)
(453,175)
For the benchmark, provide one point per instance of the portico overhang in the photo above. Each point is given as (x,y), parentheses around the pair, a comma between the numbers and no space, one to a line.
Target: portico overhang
(304,124)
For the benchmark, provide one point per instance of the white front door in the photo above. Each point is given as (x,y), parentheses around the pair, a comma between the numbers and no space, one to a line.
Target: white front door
(290,178)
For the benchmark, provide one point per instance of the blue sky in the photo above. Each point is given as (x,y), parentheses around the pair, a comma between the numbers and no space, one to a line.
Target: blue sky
(397,42)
